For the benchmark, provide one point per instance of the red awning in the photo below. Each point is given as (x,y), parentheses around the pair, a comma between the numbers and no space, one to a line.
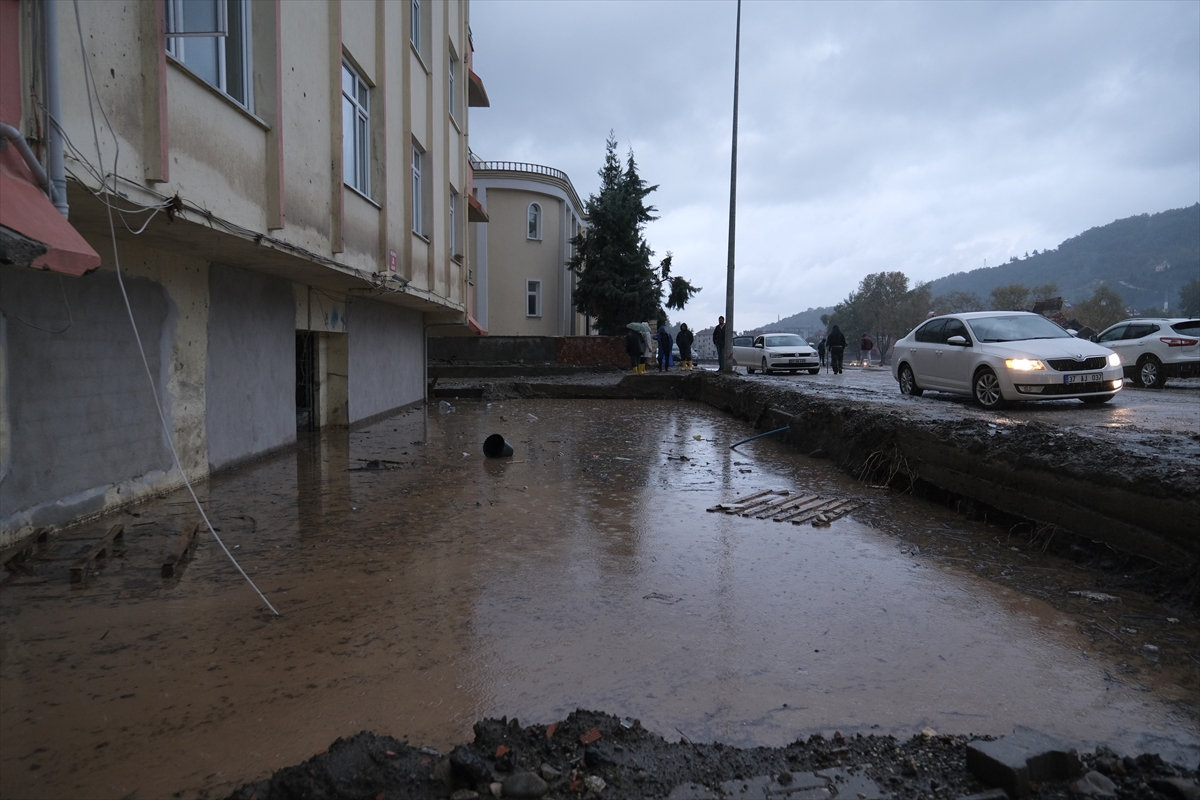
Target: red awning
(475,212)
(27,211)
(476,94)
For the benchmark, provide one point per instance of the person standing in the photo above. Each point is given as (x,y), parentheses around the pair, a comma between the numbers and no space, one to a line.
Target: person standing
(719,341)
(633,346)
(821,350)
(684,340)
(647,346)
(664,348)
(866,345)
(837,345)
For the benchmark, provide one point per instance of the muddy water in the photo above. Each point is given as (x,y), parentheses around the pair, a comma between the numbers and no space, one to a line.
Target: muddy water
(583,572)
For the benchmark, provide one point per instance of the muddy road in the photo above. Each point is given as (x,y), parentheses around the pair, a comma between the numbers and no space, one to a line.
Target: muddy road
(423,588)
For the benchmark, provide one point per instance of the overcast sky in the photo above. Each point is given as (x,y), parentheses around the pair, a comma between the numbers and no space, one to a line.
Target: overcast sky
(921,137)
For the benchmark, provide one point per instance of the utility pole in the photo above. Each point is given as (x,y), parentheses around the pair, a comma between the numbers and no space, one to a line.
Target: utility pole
(727,357)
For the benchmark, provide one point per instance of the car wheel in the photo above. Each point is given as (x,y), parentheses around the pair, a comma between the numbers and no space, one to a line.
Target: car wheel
(1150,373)
(814,371)
(1096,400)
(908,382)
(986,388)
(764,367)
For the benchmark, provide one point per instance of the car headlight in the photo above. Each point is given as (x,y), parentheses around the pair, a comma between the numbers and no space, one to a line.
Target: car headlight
(1023,364)
(1114,360)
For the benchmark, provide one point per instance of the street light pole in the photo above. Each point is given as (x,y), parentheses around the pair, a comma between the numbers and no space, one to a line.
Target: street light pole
(727,356)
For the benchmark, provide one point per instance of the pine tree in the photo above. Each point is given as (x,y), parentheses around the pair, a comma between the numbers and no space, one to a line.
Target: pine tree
(616,282)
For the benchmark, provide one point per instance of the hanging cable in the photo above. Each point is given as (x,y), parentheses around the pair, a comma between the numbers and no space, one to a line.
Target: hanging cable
(88,84)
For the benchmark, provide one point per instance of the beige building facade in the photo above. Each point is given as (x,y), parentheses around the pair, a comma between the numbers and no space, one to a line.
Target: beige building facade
(521,253)
(281,190)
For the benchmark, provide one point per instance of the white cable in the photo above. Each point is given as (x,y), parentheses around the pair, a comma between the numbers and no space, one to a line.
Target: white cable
(129,308)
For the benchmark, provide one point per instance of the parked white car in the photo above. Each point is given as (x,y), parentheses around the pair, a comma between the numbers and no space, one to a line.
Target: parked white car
(772,352)
(1000,356)
(1154,349)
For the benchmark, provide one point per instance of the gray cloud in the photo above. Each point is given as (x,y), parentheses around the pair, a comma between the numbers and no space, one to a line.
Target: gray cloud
(923,137)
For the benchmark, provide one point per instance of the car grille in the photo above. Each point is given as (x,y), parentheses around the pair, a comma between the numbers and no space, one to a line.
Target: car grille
(1071,365)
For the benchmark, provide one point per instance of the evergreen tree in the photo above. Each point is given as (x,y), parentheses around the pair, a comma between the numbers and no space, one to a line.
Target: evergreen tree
(616,282)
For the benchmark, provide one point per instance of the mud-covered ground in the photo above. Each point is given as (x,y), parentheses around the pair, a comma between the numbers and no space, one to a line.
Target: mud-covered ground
(595,755)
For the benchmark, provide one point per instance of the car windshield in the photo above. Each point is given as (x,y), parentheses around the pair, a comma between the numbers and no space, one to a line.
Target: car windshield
(1015,328)
(789,340)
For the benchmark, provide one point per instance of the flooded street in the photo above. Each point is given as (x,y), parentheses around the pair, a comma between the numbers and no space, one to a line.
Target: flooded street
(422,587)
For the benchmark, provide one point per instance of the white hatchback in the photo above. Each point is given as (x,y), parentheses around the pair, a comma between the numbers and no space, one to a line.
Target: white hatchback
(1154,349)
(998,356)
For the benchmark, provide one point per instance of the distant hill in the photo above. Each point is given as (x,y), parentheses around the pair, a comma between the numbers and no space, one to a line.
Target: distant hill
(1145,259)
(804,321)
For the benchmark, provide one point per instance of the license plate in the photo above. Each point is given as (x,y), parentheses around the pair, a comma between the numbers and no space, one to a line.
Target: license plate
(1090,377)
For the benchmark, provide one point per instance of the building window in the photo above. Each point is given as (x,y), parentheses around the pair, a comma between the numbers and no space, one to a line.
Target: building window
(533,298)
(212,39)
(454,252)
(454,86)
(418,197)
(356,130)
(535,222)
(415,24)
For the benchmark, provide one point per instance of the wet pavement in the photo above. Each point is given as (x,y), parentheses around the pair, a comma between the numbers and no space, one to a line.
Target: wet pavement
(423,588)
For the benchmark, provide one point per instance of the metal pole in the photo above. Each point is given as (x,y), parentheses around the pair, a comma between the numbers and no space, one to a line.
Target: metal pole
(727,358)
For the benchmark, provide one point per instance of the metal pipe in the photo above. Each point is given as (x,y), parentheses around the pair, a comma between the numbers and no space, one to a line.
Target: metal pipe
(759,436)
(54,138)
(11,134)
(726,358)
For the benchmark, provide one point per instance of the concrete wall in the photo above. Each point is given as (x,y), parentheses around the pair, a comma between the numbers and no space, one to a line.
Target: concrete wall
(386,358)
(79,426)
(251,365)
(578,350)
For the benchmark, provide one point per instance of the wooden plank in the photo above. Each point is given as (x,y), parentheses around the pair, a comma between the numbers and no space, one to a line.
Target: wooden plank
(179,550)
(788,506)
(762,512)
(113,542)
(21,550)
(737,501)
(801,508)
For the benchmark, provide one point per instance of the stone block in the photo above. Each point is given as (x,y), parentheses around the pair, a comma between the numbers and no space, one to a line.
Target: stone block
(1027,755)
(990,794)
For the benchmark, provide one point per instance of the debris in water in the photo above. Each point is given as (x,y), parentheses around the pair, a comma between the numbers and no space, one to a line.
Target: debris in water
(1095,597)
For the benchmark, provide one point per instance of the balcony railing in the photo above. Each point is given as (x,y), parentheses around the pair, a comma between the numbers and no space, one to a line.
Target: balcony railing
(520,166)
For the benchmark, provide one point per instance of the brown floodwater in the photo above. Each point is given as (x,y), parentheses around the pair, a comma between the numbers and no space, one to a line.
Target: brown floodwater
(584,572)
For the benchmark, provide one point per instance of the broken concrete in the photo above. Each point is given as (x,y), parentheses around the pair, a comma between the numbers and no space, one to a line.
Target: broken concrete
(1013,762)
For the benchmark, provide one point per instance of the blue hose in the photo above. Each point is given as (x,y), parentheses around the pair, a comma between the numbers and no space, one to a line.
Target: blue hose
(759,436)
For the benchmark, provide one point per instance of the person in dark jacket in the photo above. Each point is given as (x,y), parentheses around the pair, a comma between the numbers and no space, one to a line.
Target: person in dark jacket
(719,341)
(821,350)
(837,345)
(664,348)
(684,340)
(866,346)
(633,346)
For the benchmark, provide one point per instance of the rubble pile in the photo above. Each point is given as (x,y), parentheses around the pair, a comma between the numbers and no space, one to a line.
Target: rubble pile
(592,755)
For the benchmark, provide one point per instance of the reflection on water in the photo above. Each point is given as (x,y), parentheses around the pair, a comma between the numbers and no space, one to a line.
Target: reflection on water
(423,587)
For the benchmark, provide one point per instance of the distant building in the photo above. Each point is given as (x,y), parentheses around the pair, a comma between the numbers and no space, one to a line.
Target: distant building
(522,282)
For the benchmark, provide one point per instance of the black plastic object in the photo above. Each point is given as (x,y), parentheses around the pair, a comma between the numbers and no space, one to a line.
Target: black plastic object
(495,447)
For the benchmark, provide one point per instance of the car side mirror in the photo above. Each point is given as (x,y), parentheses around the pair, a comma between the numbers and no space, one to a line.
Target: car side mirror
(1072,331)
(961,341)
(760,345)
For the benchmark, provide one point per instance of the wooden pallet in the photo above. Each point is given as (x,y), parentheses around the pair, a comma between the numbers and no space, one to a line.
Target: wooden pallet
(784,505)
(179,549)
(112,544)
(12,557)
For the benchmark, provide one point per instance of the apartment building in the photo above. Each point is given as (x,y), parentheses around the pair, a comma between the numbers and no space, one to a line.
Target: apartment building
(523,285)
(278,193)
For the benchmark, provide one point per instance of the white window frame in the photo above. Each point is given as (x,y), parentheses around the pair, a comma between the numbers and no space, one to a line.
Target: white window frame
(232,36)
(455,87)
(418,196)
(533,220)
(356,142)
(533,291)
(414,23)
(454,253)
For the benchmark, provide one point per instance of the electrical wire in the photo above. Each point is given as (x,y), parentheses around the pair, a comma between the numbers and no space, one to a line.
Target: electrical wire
(88,84)
(70,319)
